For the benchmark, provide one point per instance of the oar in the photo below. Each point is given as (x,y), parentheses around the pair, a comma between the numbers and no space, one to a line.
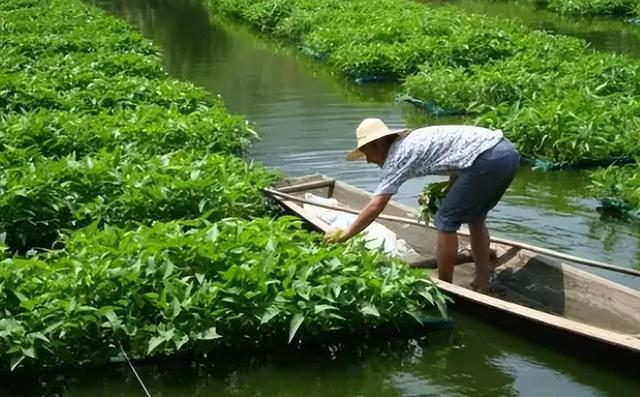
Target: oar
(409,221)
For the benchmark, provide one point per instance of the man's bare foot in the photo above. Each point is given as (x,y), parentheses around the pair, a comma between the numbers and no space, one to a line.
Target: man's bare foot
(483,289)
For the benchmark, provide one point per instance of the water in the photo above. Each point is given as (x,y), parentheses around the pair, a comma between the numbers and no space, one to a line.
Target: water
(474,359)
(306,117)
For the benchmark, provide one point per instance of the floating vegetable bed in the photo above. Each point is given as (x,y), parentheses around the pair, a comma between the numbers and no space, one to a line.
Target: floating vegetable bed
(619,8)
(44,198)
(129,217)
(197,285)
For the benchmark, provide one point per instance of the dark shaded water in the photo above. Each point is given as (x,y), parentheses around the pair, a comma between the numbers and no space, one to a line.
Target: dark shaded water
(306,118)
(474,359)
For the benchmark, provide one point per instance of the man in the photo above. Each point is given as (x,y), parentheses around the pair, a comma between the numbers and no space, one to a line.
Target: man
(481,164)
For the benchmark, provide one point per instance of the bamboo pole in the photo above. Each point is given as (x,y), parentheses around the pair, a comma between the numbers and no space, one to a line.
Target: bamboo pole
(409,221)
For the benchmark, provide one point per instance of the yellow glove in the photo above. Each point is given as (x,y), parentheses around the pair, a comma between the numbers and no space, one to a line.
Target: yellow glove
(333,236)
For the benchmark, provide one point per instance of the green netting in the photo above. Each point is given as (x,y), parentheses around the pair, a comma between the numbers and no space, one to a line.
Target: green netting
(372,78)
(428,106)
(538,164)
(619,208)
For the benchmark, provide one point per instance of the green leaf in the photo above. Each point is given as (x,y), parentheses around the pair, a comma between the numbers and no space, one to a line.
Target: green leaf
(416,316)
(209,334)
(29,352)
(213,233)
(53,327)
(180,341)
(111,316)
(269,314)
(21,297)
(426,295)
(369,309)
(28,304)
(175,307)
(272,243)
(320,308)
(38,335)
(442,307)
(155,342)
(168,270)
(15,361)
(296,321)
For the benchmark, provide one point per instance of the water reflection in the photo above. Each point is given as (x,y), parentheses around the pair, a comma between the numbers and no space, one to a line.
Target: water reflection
(474,359)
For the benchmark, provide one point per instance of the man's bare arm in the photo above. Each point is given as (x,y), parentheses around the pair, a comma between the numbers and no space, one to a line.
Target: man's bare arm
(368,214)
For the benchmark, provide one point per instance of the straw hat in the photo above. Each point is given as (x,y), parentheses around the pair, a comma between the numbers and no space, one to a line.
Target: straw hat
(368,131)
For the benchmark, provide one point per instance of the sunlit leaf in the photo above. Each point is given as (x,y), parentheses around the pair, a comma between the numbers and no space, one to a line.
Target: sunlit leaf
(154,343)
(369,309)
(295,323)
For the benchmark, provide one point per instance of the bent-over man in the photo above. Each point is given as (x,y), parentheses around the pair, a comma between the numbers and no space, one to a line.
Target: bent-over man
(481,164)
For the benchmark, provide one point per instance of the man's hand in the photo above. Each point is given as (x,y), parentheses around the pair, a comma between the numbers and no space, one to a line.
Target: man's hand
(364,219)
(333,236)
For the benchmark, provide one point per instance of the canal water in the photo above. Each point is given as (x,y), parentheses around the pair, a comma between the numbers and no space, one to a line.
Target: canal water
(306,117)
(473,360)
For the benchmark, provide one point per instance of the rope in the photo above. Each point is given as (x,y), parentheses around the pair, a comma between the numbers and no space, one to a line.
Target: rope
(135,372)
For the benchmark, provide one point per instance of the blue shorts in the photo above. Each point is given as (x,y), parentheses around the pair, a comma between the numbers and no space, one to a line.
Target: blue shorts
(479,187)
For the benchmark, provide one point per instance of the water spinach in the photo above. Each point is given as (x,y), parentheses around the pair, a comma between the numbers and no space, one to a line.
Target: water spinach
(129,217)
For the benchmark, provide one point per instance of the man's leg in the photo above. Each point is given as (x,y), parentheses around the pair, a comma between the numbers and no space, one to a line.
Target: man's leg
(480,249)
(447,254)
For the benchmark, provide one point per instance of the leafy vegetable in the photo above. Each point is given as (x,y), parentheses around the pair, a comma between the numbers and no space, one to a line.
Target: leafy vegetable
(43,198)
(197,285)
(105,163)
(431,198)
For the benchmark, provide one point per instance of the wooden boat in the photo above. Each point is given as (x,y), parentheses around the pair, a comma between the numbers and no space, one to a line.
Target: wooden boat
(532,292)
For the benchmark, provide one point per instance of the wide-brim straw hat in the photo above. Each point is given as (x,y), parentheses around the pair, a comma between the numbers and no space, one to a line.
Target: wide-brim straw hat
(368,131)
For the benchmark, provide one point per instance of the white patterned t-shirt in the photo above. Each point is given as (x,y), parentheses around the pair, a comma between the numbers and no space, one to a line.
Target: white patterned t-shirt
(432,151)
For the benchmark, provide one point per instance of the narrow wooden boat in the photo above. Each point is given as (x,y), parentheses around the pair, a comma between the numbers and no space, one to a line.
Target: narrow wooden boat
(531,292)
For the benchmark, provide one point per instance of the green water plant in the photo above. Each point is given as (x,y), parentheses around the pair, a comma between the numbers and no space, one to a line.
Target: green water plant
(43,198)
(547,92)
(431,198)
(619,189)
(618,8)
(196,286)
(105,161)
(148,129)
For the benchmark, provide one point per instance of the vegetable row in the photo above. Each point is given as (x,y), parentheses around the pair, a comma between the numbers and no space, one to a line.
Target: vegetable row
(194,286)
(615,8)
(129,217)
